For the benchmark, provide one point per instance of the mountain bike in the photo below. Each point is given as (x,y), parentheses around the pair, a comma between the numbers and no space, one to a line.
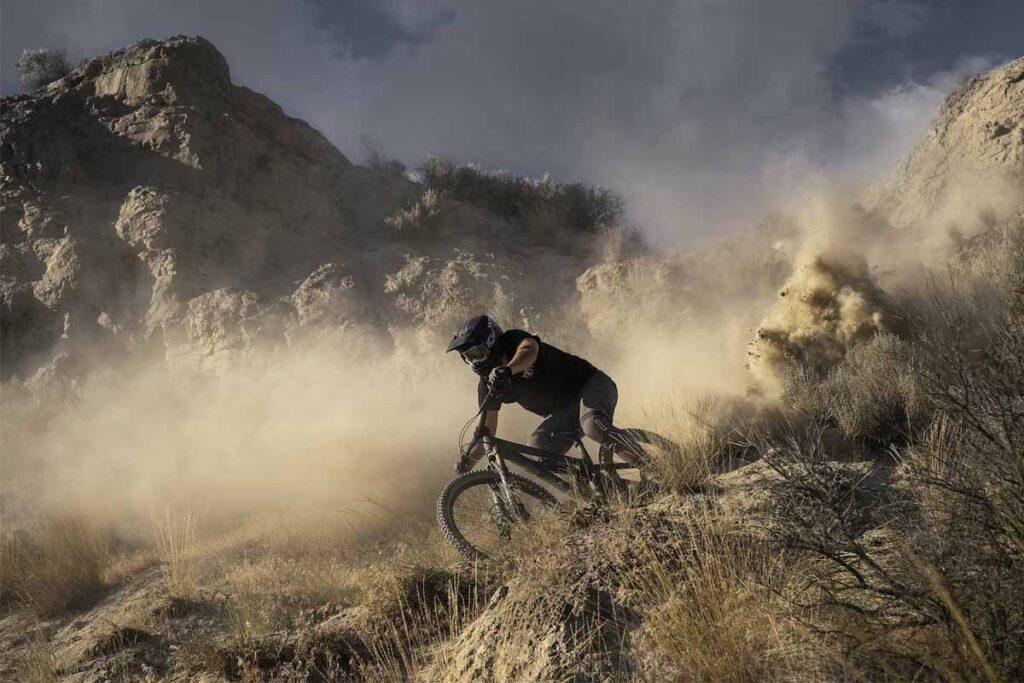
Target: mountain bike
(480,510)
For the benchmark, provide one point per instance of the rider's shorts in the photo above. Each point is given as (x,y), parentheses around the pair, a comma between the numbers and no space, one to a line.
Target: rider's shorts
(592,413)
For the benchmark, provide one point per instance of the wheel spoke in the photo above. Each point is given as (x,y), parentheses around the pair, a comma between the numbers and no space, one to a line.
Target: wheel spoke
(479,519)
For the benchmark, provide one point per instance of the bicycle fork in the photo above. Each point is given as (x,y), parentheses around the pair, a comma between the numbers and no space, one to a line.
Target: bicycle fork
(505,498)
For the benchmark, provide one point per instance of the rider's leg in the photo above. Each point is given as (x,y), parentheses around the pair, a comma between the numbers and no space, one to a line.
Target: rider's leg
(552,433)
(597,409)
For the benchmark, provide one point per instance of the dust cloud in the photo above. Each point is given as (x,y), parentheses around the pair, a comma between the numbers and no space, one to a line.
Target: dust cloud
(300,430)
(312,430)
(307,430)
(832,299)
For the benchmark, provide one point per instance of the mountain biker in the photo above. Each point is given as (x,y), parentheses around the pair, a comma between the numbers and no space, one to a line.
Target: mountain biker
(517,367)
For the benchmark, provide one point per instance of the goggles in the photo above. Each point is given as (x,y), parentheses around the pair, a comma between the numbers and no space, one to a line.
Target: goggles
(475,354)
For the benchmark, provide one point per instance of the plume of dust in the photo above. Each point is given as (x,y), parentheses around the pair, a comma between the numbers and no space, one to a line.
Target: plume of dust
(311,429)
(831,301)
(307,431)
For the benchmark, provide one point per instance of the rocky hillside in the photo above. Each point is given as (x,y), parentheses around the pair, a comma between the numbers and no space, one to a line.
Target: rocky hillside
(150,204)
(971,161)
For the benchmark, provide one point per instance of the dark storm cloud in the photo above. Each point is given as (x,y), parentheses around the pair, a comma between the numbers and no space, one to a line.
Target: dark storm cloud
(367,29)
(703,112)
(899,40)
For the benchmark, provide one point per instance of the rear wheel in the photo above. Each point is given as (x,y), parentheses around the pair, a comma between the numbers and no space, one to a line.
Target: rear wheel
(644,447)
(476,517)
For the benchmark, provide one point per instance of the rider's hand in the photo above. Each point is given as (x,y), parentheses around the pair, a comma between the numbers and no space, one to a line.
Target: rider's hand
(499,380)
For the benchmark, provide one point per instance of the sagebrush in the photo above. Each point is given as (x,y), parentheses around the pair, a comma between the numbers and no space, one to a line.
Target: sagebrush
(40,67)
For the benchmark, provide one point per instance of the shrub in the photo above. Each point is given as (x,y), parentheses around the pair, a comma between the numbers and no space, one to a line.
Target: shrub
(918,576)
(60,569)
(860,593)
(873,393)
(38,68)
(420,217)
(375,158)
(968,475)
(580,206)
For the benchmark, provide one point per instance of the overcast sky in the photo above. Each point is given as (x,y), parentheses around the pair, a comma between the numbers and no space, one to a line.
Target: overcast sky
(703,113)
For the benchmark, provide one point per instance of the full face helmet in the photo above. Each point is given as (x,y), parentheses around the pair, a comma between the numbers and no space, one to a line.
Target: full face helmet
(475,340)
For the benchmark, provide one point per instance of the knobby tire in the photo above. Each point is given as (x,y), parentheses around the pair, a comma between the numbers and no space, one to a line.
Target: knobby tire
(465,482)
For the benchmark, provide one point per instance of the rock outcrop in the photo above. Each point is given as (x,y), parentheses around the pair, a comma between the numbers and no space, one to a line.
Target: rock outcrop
(970,166)
(149,204)
(146,202)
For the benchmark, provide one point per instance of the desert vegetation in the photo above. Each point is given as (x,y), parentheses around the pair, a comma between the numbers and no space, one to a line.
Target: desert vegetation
(576,205)
(40,67)
(541,207)
(377,159)
(59,568)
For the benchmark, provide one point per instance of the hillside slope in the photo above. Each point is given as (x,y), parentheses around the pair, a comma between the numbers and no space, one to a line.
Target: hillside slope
(147,203)
(971,162)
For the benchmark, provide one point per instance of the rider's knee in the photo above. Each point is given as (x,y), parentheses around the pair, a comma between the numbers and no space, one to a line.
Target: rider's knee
(596,425)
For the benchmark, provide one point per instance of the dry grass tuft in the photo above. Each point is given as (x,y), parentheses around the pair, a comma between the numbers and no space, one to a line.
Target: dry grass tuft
(698,445)
(37,665)
(421,611)
(621,243)
(713,608)
(178,550)
(59,569)
(288,583)
(249,621)
(707,437)
(421,217)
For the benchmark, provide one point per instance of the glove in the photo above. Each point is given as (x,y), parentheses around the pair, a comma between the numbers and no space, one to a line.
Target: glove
(499,380)
(463,465)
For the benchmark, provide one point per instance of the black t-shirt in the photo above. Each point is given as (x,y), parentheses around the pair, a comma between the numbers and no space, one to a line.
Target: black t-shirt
(554,380)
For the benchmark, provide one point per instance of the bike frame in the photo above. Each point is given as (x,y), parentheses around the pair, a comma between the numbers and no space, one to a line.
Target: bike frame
(544,465)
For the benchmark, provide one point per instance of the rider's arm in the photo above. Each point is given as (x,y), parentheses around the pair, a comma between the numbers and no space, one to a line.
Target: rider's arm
(492,425)
(524,357)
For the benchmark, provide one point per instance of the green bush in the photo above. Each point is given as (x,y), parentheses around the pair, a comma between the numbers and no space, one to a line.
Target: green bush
(580,206)
(38,68)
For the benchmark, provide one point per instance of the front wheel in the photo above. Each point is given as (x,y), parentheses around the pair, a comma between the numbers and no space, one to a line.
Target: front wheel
(477,517)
